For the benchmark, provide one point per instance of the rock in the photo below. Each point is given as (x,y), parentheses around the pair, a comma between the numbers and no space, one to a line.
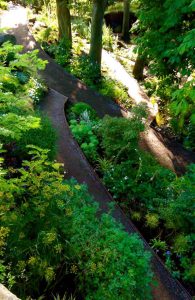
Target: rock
(5,37)
(6,295)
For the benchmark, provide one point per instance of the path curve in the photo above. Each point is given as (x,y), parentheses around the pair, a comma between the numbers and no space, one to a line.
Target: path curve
(70,154)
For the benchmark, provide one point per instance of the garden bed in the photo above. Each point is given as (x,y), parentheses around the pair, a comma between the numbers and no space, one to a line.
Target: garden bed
(140,186)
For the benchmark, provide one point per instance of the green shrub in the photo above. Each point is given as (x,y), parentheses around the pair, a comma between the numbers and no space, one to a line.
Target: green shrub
(19,83)
(61,51)
(86,70)
(44,137)
(178,211)
(81,27)
(53,229)
(109,41)
(107,276)
(138,181)
(115,90)
(120,136)
(189,140)
(78,109)
(83,133)
(3,5)
(151,194)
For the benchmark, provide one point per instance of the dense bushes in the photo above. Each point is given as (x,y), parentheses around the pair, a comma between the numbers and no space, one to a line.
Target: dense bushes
(20,90)
(155,198)
(51,229)
(176,104)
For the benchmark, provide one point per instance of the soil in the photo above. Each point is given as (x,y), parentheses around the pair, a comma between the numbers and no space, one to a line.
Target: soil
(62,84)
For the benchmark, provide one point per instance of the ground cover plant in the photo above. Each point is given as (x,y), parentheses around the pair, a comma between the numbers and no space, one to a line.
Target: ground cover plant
(159,202)
(50,232)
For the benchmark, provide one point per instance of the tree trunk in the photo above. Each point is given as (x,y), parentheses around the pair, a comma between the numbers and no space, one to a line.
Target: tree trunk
(125,30)
(138,69)
(64,20)
(96,30)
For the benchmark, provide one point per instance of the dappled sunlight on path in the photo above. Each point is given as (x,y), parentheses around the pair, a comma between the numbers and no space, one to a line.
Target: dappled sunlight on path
(15,16)
(134,90)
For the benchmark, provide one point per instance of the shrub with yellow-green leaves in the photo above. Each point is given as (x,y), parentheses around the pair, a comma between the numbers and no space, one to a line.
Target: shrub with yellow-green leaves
(51,229)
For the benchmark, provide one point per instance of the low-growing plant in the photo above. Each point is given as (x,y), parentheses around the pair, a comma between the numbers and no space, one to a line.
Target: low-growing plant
(86,70)
(83,133)
(108,87)
(158,244)
(78,109)
(61,51)
(120,136)
(43,136)
(152,220)
(20,88)
(108,39)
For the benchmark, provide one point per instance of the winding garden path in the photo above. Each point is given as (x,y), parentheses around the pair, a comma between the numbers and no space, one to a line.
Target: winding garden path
(62,86)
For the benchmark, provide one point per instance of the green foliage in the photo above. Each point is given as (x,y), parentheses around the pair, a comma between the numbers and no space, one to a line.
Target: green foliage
(19,83)
(138,180)
(86,70)
(12,125)
(178,212)
(154,195)
(44,136)
(109,41)
(3,5)
(65,297)
(35,195)
(189,141)
(83,133)
(76,111)
(61,51)
(8,52)
(82,27)
(166,39)
(152,220)
(120,135)
(106,276)
(157,244)
(166,30)
(183,106)
(108,87)
(49,228)
(28,62)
